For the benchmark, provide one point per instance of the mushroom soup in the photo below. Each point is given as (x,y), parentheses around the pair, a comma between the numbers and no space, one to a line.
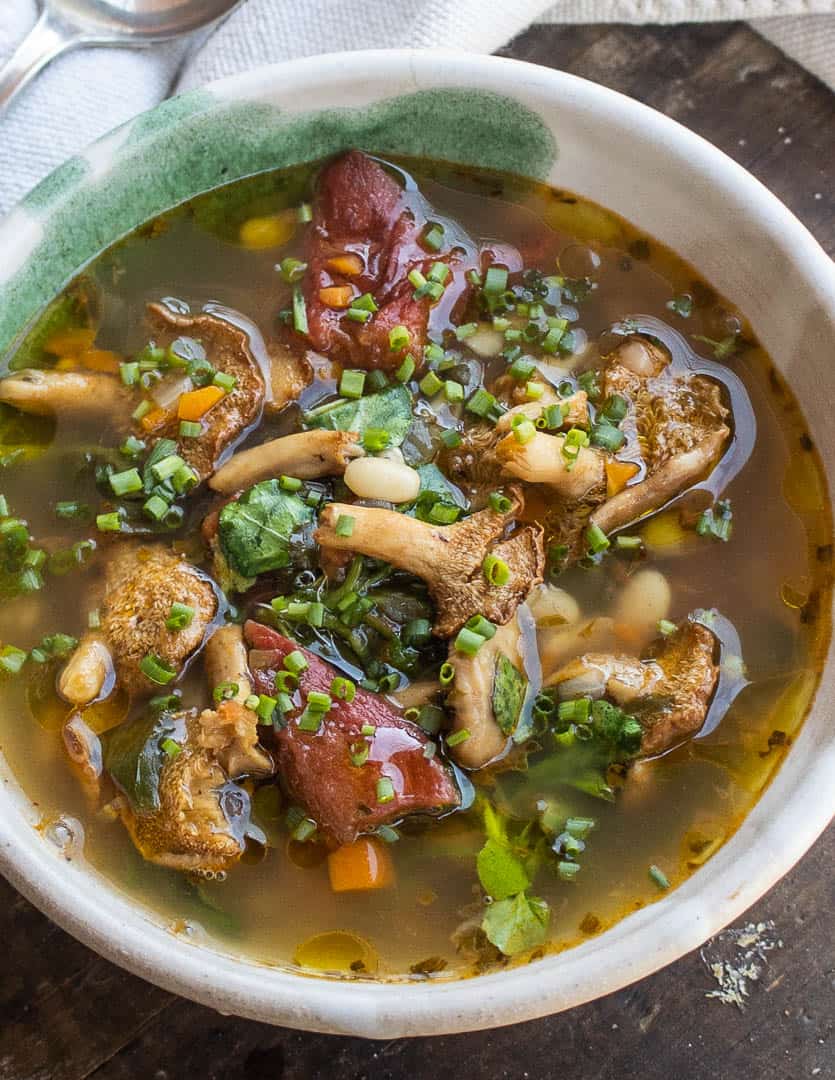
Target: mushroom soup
(406,570)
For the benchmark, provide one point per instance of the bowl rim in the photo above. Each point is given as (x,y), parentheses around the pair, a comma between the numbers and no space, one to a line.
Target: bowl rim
(647,940)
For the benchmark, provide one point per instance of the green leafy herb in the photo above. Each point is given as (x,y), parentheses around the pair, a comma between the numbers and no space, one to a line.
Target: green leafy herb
(716,521)
(389,410)
(135,757)
(255,532)
(500,871)
(517,924)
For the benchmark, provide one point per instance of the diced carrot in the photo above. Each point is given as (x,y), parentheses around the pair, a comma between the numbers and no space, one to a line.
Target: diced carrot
(196,403)
(70,342)
(618,475)
(363,865)
(349,264)
(100,360)
(271,230)
(154,419)
(337,296)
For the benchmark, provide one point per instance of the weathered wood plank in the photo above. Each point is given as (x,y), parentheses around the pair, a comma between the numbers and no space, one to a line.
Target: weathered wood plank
(68,1015)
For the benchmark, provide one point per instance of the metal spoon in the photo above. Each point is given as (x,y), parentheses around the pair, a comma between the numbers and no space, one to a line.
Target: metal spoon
(66,24)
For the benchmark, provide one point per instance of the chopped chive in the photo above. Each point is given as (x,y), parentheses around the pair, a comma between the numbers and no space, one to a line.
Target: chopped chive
(368,729)
(345,525)
(496,570)
(142,410)
(304,213)
(171,747)
(596,539)
(453,391)
(359,753)
(495,280)
(432,236)
(4,506)
(417,632)
(479,625)
(299,311)
(575,711)
(289,483)
(482,403)
(567,871)
(132,447)
(399,338)
(225,691)
(111,522)
(292,270)
(522,369)
(129,373)
(659,877)
(73,511)
(474,277)
(316,614)
(184,479)
(523,429)
(156,669)
(443,514)
(156,508)
(360,315)
(366,302)
(377,380)
(451,438)
(310,719)
(430,384)
(433,354)
(468,642)
(457,737)
(416,278)
(343,689)
(319,702)
(500,503)
(93,619)
(466,330)
(534,390)
(352,383)
(179,617)
(551,341)
(446,674)
(296,662)
(224,381)
(285,681)
(164,469)
(607,436)
(666,627)
(385,790)
(190,429)
(628,543)
(265,708)
(406,370)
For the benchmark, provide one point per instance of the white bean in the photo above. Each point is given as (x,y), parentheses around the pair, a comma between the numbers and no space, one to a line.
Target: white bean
(377,478)
(642,603)
(551,606)
(558,646)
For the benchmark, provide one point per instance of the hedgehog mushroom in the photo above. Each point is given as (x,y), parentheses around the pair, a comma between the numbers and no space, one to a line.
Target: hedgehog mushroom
(449,558)
(669,693)
(88,395)
(141,584)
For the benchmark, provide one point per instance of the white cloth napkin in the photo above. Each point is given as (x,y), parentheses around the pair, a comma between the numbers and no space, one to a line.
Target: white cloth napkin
(83,94)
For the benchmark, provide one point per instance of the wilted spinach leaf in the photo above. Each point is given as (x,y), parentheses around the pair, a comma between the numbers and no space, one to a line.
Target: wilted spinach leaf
(255,532)
(517,924)
(134,757)
(390,409)
(509,686)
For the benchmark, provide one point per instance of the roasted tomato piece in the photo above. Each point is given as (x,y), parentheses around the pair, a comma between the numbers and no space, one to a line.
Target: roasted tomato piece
(327,771)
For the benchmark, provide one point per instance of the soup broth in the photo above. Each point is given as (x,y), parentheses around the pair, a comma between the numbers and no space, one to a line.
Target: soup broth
(588,806)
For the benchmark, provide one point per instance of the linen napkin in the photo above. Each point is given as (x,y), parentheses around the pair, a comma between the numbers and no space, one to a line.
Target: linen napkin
(84,93)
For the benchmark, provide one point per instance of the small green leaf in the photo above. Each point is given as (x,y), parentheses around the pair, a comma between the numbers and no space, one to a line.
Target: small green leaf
(517,924)
(389,410)
(255,531)
(509,686)
(500,872)
(135,758)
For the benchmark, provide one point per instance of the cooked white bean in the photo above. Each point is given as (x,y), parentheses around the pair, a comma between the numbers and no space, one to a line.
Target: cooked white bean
(551,606)
(642,603)
(377,478)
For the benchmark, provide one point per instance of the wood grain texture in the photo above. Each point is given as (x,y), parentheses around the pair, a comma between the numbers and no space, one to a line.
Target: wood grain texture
(67,1014)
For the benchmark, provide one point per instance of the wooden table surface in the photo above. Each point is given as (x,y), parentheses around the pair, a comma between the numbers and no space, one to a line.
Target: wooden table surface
(68,1014)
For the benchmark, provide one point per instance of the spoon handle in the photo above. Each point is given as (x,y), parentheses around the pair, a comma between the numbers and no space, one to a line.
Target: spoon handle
(47,38)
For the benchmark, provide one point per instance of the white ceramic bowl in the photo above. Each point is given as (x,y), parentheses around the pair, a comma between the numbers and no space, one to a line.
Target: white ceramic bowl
(631,159)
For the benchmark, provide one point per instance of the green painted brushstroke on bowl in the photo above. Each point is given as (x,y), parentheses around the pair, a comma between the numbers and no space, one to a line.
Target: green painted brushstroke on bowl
(197,142)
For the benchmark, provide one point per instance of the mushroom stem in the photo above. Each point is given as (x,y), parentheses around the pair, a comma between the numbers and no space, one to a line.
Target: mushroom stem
(541,461)
(305,455)
(88,394)
(226,661)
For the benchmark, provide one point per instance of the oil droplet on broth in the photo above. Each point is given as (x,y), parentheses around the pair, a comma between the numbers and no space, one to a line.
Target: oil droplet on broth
(337,951)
